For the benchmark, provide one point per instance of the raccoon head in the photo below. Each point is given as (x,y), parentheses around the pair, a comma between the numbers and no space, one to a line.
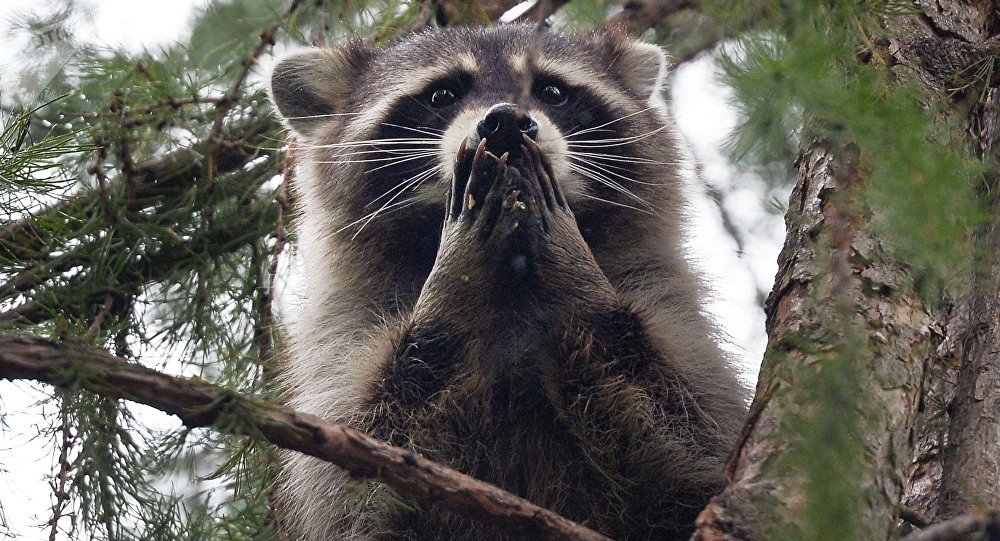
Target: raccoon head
(383,126)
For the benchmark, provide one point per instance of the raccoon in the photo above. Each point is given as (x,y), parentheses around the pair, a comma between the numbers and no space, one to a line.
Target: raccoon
(496,280)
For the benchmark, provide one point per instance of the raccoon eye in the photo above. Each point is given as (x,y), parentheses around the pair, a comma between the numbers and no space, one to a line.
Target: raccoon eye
(442,97)
(553,95)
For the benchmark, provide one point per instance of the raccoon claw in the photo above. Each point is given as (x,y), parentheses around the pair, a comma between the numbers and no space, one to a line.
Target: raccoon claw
(541,169)
(459,181)
(475,173)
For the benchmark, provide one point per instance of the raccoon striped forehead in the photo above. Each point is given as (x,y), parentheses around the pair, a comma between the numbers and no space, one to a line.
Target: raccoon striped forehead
(575,73)
(620,73)
(419,77)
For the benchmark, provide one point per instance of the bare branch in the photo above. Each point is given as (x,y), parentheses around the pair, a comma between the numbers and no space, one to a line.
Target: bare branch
(169,173)
(959,528)
(639,15)
(201,404)
(266,40)
(540,10)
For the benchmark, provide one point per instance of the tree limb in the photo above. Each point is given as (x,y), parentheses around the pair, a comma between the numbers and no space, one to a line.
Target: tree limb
(638,15)
(168,173)
(202,404)
(959,528)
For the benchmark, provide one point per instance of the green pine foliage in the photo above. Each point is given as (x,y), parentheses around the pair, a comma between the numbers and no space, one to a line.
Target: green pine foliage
(810,72)
(150,180)
(30,166)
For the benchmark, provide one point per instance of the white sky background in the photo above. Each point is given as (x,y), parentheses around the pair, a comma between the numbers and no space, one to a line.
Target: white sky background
(702,114)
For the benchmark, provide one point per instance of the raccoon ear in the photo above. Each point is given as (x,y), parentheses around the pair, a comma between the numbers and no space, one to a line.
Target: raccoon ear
(644,68)
(309,85)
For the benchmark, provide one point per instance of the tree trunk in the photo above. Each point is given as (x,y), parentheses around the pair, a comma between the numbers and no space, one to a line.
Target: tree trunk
(847,319)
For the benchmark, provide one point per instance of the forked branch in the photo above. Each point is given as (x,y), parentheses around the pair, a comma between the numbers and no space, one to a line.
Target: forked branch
(202,404)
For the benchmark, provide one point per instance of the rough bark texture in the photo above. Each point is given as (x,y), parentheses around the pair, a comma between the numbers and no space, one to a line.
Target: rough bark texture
(803,310)
(935,50)
(929,368)
(971,475)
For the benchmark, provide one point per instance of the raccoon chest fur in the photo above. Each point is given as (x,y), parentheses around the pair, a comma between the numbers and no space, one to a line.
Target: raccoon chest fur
(496,280)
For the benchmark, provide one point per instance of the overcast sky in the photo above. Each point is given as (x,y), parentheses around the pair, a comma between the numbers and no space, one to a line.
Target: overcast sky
(703,116)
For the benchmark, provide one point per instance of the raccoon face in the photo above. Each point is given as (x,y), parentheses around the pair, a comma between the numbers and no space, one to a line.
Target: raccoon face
(384,126)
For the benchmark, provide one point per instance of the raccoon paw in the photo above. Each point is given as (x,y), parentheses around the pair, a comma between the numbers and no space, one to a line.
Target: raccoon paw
(472,199)
(542,186)
(513,208)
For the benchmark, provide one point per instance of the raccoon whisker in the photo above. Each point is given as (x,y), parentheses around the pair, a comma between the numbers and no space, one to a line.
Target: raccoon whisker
(426,130)
(605,168)
(436,169)
(327,115)
(394,151)
(616,203)
(607,181)
(602,157)
(617,141)
(400,190)
(429,109)
(391,206)
(588,130)
(405,157)
(373,148)
(602,179)
(375,142)
(609,130)
(414,181)
(386,209)
(403,160)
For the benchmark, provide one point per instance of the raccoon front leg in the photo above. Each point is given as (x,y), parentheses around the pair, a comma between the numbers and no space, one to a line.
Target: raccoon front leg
(442,341)
(633,414)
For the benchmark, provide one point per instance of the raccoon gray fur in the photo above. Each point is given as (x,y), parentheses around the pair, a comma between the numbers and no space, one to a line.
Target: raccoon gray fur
(499,287)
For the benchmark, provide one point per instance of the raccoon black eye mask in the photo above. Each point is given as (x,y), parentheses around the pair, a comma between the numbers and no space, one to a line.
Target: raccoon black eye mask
(500,287)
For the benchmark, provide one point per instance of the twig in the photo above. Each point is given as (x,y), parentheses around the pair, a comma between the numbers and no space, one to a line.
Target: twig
(423,16)
(264,333)
(267,314)
(229,98)
(637,15)
(200,404)
(960,527)
(540,11)
(59,490)
(263,337)
(100,156)
(95,327)
(176,170)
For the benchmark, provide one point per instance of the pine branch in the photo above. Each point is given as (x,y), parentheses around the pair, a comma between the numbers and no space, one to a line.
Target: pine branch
(169,173)
(200,404)
(266,39)
(154,267)
(638,15)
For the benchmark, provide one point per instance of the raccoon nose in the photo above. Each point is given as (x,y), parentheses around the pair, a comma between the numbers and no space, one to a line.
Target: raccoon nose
(503,125)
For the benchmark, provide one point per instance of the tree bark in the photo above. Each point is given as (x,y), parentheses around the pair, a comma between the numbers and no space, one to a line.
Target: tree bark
(971,469)
(928,368)
(812,304)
